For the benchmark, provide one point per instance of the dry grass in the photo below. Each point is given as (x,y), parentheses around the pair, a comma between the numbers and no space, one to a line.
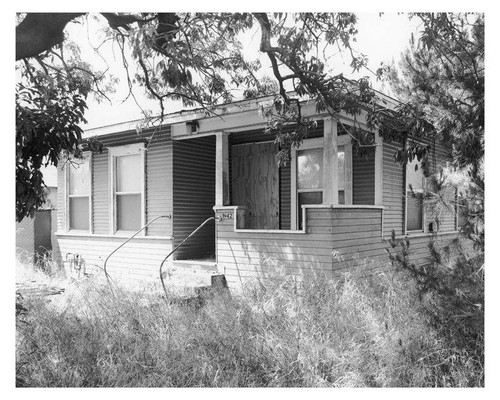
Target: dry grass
(346,332)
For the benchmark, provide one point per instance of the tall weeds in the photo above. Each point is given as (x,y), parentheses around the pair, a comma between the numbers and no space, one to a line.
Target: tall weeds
(317,332)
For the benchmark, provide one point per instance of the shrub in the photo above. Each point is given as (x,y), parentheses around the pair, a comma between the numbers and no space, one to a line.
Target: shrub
(451,292)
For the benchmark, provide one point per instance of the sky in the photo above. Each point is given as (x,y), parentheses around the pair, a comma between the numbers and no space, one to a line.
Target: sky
(381,37)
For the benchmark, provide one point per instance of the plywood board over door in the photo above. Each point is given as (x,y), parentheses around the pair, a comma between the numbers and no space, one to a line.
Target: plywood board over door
(255,184)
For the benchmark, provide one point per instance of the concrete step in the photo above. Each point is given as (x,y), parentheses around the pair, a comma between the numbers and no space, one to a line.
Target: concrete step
(190,273)
(194,266)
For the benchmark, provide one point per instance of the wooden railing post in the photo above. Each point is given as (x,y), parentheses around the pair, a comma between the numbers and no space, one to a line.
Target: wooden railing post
(222,169)
(330,170)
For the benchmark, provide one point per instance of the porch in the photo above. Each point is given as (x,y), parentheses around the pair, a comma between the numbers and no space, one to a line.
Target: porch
(325,199)
(332,236)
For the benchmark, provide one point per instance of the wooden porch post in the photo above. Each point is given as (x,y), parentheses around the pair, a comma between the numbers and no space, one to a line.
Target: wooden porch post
(379,162)
(221,169)
(330,170)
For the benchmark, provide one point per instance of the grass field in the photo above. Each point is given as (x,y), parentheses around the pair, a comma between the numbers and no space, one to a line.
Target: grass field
(349,332)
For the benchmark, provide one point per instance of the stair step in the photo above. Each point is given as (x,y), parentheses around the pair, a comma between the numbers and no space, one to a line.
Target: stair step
(187,278)
(190,273)
(194,266)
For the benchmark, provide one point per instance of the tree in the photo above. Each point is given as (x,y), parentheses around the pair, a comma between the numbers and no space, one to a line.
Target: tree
(440,80)
(198,59)
(48,114)
(195,58)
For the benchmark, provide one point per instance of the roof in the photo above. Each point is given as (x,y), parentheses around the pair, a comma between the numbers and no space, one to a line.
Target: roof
(199,113)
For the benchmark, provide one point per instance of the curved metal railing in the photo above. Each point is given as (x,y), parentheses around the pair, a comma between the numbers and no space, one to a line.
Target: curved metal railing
(175,249)
(128,240)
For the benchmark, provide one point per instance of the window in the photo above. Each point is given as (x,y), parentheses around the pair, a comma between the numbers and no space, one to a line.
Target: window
(341,174)
(344,165)
(308,176)
(78,193)
(415,181)
(127,174)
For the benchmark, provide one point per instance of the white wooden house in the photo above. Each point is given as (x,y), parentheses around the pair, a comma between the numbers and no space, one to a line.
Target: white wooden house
(326,201)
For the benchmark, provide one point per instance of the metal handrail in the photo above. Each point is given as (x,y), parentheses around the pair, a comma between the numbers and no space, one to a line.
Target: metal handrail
(128,240)
(175,249)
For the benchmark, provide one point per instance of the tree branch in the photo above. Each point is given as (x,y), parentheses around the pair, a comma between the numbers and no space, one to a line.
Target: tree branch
(119,20)
(265,40)
(39,32)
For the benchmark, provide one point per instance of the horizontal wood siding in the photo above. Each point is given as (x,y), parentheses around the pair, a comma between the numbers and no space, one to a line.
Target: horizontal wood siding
(158,171)
(139,260)
(363,179)
(336,240)
(393,183)
(159,198)
(439,211)
(194,196)
(101,192)
(333,237)
(393,198)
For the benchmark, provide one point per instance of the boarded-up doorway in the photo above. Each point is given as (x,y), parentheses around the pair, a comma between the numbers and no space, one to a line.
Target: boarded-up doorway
(255,184)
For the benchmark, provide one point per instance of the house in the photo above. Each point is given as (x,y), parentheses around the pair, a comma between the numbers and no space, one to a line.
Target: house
(35,236)
(327,205)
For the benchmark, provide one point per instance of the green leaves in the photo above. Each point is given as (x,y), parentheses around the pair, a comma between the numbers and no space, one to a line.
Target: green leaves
(49,111)
(441,80)
(175,76)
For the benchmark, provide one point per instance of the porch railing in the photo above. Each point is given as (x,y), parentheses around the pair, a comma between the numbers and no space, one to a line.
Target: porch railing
(128,240)
(178,246)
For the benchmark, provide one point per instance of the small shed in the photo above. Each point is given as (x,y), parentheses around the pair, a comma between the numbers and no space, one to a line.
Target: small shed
(34,236)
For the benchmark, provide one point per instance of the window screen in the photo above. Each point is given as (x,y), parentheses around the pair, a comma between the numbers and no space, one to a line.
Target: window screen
(79,178)
(128,170)
(310,169)
(414,213)
(79,213)
(309,179)
(341,173)
(414,208)
(128,192)
(79,194)
(128,212)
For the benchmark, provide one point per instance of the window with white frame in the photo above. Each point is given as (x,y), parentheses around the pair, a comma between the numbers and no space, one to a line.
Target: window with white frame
(309,178)
(344,169)
(341,163)
(127,188)
(308,172)
(415,182)
(78,193)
